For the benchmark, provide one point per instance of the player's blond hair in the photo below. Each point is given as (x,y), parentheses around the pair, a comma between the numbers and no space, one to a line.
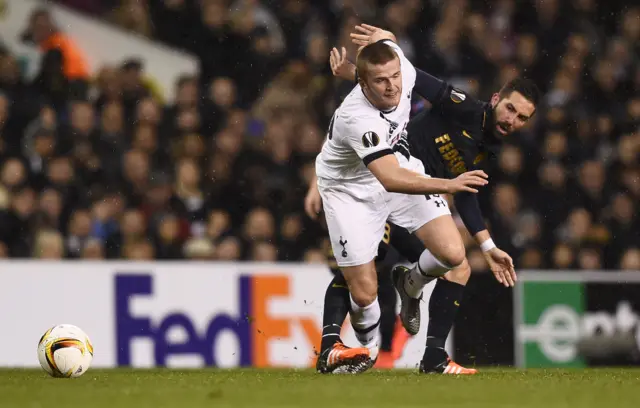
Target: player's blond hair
(377,53)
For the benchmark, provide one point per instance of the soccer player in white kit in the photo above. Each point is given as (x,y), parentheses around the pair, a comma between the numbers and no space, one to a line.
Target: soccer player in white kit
(366,176)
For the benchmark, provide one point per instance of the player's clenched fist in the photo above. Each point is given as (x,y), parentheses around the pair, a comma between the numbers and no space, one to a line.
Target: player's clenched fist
(467,181)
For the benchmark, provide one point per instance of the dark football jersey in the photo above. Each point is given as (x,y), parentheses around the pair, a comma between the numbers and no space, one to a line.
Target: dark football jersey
(453,136)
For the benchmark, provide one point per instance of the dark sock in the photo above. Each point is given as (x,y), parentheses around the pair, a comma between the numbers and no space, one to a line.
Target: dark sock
(336,308)
(387,299)
(443,305)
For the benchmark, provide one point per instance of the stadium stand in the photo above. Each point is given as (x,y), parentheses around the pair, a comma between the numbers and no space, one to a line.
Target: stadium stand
(99,167)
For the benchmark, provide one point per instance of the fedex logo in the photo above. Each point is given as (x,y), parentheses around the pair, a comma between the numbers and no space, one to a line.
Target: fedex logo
(249,320)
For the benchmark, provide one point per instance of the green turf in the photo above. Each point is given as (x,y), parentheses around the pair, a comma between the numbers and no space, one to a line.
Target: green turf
(285,388)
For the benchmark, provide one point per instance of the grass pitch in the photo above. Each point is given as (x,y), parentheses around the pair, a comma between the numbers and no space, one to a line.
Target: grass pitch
(287,388)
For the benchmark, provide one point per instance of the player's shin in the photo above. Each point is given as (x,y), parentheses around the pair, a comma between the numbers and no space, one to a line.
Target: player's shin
(336,306)
(366,322)
(387,299)
(443,306)
(427,269)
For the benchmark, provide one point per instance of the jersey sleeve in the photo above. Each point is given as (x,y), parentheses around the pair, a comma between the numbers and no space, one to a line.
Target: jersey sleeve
(367,136)
(428,86)
(456,104)
(469,209)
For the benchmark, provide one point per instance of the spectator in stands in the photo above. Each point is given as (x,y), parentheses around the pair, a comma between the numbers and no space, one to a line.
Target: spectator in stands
(168,240)
(78,232)
(229,249)
(630,260)
(59,50)
(219,173)
(93,250)
(141,250)
(199,249)
(49,244)
(133,16)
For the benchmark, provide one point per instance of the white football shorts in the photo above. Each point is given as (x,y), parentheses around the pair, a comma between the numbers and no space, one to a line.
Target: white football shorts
(356,215)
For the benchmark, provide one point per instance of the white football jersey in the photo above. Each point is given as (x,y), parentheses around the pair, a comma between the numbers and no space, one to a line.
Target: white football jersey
(359,133)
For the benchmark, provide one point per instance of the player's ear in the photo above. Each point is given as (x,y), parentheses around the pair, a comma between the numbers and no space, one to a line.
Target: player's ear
(360,81)
(495,98)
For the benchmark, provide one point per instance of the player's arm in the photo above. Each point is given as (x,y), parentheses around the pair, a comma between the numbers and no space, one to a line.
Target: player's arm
(469,209)
(365,135)
(397,179)
(313,201)
(500,262)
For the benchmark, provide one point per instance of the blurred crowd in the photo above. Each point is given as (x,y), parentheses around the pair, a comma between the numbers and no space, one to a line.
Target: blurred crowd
(96,166)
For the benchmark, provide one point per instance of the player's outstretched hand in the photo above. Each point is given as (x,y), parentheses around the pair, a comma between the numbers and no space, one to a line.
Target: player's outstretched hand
(502,267)
(468,181)
(367,34)
(313,202)
(341,66)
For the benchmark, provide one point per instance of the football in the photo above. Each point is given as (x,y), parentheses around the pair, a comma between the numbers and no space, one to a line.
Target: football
(65,351)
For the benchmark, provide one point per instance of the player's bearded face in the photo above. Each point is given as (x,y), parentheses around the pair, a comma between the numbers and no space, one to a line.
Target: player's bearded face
(383,85)
(510,113)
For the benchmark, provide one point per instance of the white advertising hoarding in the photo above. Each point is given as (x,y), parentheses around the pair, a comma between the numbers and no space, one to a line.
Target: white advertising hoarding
(174,314)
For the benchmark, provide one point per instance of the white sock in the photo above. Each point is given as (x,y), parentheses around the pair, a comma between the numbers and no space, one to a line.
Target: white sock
(366,321)
(427,269)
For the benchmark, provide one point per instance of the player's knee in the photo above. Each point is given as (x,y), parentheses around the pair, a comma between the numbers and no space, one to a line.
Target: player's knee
(363,297)
(453,256)
(460,273)
(363,283)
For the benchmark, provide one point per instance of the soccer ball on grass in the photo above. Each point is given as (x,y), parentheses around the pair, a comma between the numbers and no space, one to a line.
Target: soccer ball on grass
(65,351)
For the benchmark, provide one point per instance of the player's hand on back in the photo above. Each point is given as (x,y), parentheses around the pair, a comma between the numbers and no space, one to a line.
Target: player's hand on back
(468,182)
(367,34)
(313,202)
(341,66)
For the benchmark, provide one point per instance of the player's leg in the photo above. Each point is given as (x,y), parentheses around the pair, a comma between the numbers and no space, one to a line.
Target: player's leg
(404,246)
(337,303)
(431,221)
(387,299)
(365,308)
(334,356)
(356,227)
(335,309)
(410,282)
(413,213)
(445,244)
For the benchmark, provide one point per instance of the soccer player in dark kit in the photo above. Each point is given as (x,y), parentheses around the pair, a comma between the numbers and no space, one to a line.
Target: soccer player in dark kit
(459,133)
